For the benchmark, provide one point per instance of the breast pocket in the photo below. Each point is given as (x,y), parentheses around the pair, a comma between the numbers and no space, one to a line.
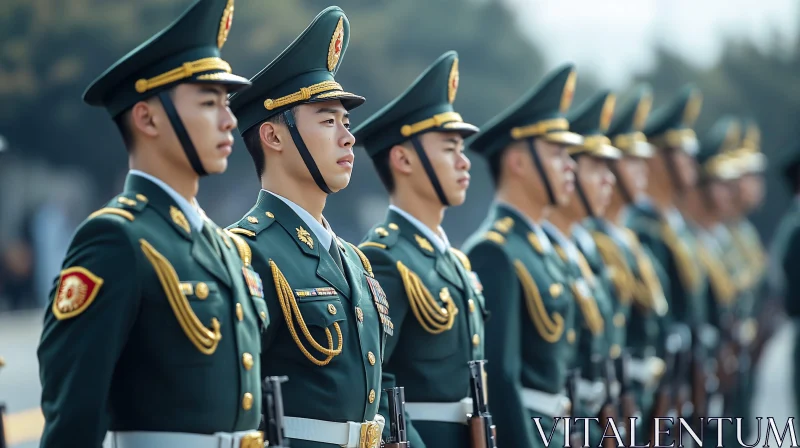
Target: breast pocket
(317,327)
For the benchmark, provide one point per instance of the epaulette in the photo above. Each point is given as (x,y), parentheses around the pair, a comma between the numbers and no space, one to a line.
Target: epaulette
(252,224)
(494,237)
(382,237)
(126,205)
(462,257)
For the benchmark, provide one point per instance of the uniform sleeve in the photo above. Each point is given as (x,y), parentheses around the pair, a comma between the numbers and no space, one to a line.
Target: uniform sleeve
(503,346)
(385,271)
(91,311)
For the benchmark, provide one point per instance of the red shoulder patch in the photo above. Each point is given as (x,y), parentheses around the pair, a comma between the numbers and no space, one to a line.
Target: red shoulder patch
(77,289)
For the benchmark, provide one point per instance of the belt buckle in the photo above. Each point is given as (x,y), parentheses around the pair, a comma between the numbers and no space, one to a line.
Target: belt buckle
(566,407)
(252,440)
(370,435)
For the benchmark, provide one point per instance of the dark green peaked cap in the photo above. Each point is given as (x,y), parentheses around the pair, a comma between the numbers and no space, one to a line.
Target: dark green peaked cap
(303,73)
(591,120)
(538,113)
(427,105)
(716,155)
(186,51)
(671,124)
(629,120)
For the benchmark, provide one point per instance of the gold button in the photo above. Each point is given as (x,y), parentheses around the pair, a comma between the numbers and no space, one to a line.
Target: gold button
(331,308)
(247,361)
(247,401)
(619,320)
(252,220)
(393,226)
(571,336)
(201,291)
(381,232)
(476,340)
(263,315)
(615,351)
(372,395)
(359,314)
(239,312)
(141,197)
(471,305)
(556,289)
(269,215)
(371,358)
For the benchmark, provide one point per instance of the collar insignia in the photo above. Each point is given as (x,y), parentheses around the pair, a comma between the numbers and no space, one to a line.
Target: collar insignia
(305,237)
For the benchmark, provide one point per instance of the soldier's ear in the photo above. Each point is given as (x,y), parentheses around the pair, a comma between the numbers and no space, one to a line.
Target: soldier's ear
(399,159)
(271,137)
(148,118)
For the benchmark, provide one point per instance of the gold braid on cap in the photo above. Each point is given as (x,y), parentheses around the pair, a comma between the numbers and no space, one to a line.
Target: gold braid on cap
(186,70)
(434,122)
(540,128)
(304,94)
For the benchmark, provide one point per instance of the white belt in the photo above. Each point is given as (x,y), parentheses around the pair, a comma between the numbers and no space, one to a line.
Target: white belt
(646,371)
(346,435)
(591,393)
(441,412)
(551,405)
(152,439)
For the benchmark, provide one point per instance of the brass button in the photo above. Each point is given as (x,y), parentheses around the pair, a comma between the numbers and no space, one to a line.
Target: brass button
(263,315)
(393,226)
(247,361)
(471,305)
(615,351)
(359,314)
(201,291)
(571,336)
(381,232)
(247,401)
(476,340)
(619,320)
(331,308)
(269,215)
(141,197)
(126,201)
(372,395)
(556,289)
(252,220)
(239,312)
(371,358)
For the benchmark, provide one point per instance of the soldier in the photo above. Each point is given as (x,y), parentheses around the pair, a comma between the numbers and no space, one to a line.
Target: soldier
(598,338)
(416,144)
(660,226)
(531,336)
(155,319)
(634,272)
(295,123)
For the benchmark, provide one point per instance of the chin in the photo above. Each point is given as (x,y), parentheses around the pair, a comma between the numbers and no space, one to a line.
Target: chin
(457,199)
(338,183)
(216,167)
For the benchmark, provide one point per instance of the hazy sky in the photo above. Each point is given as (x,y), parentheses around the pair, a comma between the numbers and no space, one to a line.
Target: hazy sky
(615,38)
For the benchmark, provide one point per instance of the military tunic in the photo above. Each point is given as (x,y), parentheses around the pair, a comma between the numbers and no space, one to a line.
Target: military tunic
(438,312)
(531,338)
(151,326)
(331,334)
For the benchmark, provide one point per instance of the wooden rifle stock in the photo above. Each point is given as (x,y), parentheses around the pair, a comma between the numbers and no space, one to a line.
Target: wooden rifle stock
(482,431)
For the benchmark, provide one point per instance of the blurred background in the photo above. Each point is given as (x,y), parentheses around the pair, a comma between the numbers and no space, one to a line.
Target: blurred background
(60,160)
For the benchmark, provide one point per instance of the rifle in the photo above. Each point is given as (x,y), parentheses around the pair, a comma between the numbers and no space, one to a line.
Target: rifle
(627,408)
(272,419)
(663,405)
(575,439)
(482,431)
(397,419)
(2,416)
(608,413)
(699,391)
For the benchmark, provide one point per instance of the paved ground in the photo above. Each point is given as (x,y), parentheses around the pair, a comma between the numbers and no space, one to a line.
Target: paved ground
(19,380)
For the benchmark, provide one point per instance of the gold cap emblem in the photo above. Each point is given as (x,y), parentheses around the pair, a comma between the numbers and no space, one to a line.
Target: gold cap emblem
(225,24)
(335,47)
(569,92)
(452,83)
(608,112)
(642,112)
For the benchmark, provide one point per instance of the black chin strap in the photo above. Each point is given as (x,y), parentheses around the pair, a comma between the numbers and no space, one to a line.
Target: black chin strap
(672,170)
(301,147)
(584,199)
(426,163)
(180,131)
(623,189)
(542,173)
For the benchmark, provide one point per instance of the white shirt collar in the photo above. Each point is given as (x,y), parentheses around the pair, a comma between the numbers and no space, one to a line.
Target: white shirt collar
(324,233)
(439,240)
(191,211)
(567,244)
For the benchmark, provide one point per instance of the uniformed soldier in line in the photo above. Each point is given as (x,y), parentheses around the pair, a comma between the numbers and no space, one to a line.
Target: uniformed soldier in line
(154,321)
(602,315)
(330,340)
(661,227)
(636,277)
(417,147)
(531,335)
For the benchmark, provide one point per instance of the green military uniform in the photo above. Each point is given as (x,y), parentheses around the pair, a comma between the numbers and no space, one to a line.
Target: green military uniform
(635,277)
(331,338)
(435,301)
(154,321)
(531,338)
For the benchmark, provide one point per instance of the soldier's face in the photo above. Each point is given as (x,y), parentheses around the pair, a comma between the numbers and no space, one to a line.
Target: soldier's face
(632,173)
(208,120)
(325,128)
(597,182)
(751,191)
(451,165)
(721,195)
(686,168)
(560,169)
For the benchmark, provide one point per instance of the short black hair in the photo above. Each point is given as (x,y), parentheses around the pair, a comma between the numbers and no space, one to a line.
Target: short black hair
(252,141)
